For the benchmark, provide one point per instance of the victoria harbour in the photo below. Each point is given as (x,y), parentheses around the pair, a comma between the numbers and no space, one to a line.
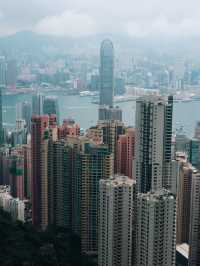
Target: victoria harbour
(185,114)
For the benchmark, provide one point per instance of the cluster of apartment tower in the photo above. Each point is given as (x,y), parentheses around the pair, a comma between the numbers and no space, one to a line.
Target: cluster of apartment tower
(130,198)
(122,190)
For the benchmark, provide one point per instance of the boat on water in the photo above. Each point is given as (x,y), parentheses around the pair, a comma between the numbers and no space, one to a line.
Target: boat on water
(117,99)
(88,93)
(186,100)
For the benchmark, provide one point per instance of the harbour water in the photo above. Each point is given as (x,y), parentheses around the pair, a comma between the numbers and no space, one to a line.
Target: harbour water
(185,114)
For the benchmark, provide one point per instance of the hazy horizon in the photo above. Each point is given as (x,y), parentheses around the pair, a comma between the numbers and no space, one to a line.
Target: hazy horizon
(138,19)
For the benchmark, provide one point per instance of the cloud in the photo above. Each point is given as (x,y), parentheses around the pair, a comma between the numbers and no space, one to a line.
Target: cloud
(69,23)
(161,26)
(74,18)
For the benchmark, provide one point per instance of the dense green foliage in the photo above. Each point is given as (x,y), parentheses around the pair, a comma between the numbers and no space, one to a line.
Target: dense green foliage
(22,245)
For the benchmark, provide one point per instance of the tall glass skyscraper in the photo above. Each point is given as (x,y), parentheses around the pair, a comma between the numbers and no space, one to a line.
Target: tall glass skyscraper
(37,104)
(50,106)
(106,73)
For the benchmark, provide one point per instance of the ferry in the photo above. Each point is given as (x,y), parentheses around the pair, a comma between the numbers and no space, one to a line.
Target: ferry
(117,99)
(87,93)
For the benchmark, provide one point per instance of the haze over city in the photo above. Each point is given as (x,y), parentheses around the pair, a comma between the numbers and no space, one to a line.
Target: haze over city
(82,18)
(99,133)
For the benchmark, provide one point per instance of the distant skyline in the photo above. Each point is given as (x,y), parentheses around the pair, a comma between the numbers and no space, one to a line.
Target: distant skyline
(76,18)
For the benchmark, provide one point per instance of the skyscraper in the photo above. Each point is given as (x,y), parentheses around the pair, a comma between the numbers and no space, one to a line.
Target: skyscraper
(156,229)
(60,173)
(17,176)
(39,149)
(194,237)
(125,152)
(37,104)
(111,130)
(50,106)
(68,128)
(153,143)
(26,114)
(19,134)
(93,163)
(197,130)
(27,170)
(184,182)
(110,113)
(194,153)
(106,73)
(116,213)
(1,119)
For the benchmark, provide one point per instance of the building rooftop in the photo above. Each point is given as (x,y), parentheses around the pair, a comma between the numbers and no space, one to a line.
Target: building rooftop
(156,195)
(183,249)
(119,180)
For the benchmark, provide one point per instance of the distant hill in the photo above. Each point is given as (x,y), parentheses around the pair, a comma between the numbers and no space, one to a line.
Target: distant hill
(28,42)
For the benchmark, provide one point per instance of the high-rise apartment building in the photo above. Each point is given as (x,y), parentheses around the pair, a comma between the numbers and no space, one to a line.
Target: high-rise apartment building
(106,73)
(91,164)
(1,118)
(50,106)
(4,165)
(116,211)
(194,237)
(110,113)
(156,229)
(26,114)
(17,176)
(125,152)
(60,175)
(153,143)
(95,134)
(197,130)
(111,130)
(19,134)
(194,153)
(182,143)
(27,170)
(39,149)
(68,128)
(184,183)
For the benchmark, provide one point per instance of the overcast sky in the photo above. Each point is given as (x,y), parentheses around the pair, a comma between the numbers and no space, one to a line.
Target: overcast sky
(74,18)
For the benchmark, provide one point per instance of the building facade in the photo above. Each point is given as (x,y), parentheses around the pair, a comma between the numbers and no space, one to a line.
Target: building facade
(93,163)
(153,143)
(60,175)
(1,118)
(125,152)
(116,211)
(37,104)
(106,73)
(110,113)
(39,152)
(184,184)
(156,229)
(194,237)
(111,130)
(50,106)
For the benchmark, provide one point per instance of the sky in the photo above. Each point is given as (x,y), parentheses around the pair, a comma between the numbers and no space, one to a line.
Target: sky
(76,18)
